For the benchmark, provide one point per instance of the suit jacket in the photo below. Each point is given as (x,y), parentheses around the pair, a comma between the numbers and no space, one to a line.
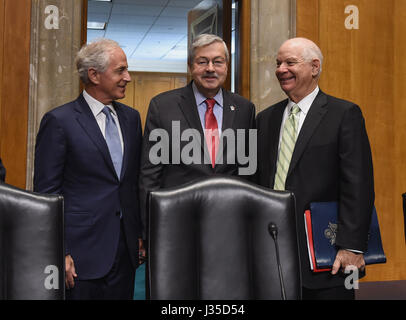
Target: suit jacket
(331,162)
(2,172)
(180,105)
(72,159)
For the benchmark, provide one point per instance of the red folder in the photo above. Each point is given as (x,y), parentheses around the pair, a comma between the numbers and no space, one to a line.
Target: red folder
(309,238)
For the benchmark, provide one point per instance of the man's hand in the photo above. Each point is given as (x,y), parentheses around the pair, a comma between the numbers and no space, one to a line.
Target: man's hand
(345,258)
(70,273)
(142,252)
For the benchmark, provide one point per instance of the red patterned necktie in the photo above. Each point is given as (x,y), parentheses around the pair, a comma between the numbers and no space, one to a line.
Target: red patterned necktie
(211,130)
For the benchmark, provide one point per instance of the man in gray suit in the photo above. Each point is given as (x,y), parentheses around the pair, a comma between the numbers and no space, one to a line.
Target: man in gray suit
(202,106)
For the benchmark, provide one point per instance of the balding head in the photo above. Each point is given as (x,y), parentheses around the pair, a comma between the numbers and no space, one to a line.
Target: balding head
(298,67)
(309,50)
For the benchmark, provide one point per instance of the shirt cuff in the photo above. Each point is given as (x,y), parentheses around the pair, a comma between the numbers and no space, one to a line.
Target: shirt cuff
(354,251)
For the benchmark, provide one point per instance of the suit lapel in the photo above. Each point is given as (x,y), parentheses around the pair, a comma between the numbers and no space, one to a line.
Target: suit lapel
(229,111)
(89,124)
(122,118)
(189,109)
(274,128)
(316,113)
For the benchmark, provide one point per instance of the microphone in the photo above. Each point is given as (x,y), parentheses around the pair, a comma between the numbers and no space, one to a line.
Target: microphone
(273,231)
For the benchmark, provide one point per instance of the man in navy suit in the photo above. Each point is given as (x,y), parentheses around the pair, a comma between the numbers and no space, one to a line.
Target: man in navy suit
(88,150)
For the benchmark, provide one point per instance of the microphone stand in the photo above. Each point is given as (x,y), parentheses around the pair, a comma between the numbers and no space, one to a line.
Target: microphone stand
(273,230)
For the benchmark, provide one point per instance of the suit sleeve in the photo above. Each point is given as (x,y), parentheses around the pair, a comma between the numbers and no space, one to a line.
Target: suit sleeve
(2,172)
(252,143)
(138,161)
(256,177)
(50,154)
(150,174)
(356,182)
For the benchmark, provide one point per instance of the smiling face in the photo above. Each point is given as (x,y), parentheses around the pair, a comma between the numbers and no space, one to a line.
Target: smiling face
(297,76)
(209,68)
(110,85)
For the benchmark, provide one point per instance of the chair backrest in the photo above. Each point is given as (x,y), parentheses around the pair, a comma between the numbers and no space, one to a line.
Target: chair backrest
(210,240)
(32,258)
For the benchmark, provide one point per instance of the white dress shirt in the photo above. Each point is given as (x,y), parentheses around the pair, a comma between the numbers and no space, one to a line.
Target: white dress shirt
(304,106)
(96,107)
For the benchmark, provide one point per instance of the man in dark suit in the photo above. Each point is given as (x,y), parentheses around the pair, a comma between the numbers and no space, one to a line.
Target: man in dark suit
(191,122)
(88,150)
(329,160)
(2,172)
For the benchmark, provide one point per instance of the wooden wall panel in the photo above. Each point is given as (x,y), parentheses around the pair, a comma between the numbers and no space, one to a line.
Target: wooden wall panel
(226,4)
(145,85)
(2,4)
(244,43)
(307,19)
(129,93)
(367,66)
(397,66)
(14,83)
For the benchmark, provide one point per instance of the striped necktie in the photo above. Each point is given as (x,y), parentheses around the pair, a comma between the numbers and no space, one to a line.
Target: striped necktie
(113,141)
(286,149)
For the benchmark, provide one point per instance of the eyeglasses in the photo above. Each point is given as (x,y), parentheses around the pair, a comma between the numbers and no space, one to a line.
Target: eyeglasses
(217,63)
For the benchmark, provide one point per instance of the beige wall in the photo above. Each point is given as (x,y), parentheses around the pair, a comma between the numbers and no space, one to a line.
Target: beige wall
(145,85)
(54,80)
(272,22)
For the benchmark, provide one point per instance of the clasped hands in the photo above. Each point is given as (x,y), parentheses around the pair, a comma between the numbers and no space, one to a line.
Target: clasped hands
(346,258)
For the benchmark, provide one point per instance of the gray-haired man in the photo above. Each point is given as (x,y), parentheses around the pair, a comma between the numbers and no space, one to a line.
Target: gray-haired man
(88,150)
(194,118)
(316,146)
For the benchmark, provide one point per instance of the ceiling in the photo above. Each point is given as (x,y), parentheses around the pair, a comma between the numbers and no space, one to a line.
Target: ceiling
(152,33)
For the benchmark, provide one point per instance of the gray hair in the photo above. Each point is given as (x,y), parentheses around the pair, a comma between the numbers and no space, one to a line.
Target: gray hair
(312,51)
(203,40)
(94,55)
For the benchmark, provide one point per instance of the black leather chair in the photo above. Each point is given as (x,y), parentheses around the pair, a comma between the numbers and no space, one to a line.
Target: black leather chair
(32,257)
(210,240)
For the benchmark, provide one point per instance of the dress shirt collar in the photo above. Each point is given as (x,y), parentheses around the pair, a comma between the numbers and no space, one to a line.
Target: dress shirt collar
(201,98)
(306,102)
(95,105)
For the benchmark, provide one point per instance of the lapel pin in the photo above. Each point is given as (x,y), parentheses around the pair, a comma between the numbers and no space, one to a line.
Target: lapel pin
(232,108)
